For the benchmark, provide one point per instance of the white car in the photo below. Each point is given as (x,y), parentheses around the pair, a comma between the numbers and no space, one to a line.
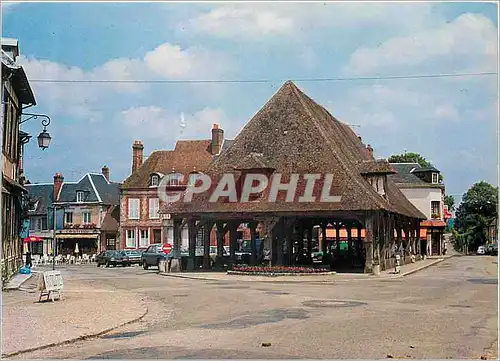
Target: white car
(481,250)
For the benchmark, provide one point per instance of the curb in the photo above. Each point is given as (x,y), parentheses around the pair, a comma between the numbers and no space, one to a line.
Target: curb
(423,267)
(76,339)
(271,274)
(18,286)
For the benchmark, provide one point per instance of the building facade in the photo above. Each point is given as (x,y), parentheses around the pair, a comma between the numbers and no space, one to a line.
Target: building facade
(16,94)
(424,190)
(140,222)
(75,213)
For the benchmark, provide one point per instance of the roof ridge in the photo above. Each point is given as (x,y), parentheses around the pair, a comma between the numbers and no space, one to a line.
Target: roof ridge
(349,170)
(94,187)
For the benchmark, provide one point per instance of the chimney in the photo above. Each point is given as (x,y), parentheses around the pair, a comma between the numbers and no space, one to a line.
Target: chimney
(137,152)
(105,172)
(58,181)
(369,149)
(217,139)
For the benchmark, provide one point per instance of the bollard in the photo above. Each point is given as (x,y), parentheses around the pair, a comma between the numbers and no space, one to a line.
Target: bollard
(162,266)
(376,269)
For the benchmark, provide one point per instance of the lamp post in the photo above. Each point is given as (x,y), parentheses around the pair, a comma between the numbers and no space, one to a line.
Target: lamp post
(44,137)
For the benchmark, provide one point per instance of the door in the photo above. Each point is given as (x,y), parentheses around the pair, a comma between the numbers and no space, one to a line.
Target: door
(157,236)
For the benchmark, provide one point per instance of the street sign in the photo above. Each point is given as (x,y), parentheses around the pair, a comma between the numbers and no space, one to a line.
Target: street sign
(167,248)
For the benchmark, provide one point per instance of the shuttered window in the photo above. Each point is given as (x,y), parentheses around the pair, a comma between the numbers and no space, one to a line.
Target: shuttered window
(153,208)
(133,208)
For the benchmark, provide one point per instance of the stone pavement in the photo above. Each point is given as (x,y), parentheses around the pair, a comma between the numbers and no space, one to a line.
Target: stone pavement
(84,311)
(389,274)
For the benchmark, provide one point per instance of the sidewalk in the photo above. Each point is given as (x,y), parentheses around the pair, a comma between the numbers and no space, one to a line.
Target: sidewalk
(83,312)
(389,274)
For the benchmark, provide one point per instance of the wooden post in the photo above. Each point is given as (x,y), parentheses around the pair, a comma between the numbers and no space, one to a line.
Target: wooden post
(253,245)
(399,232)
(360,242)
(289,227)
(337,237)
(191,266)
(300,240)
(233,240)
(309,241)
(207,232)
(323,244)
(220,242)
(279,241)
(368,244)
(349,242)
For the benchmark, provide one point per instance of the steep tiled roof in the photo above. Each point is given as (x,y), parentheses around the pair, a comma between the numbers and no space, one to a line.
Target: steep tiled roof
(188,156)
(111,221)
(42,194)
(95,187)
(404,174)
(296,135)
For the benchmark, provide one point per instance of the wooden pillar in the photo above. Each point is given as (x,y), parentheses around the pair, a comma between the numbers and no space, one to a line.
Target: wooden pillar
(300,241)
(323,244)
(419,242)
(207,231)
(289,241)
(279,241)
(253,244)
(399,239)
(360,242)
(220,241)
(368,244)
(191,266)
(349,242)
(233,240)
(337,237)
(309,241)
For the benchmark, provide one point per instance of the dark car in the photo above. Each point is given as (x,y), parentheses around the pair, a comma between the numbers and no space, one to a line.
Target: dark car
(134,256)
(111,258)
(152,256)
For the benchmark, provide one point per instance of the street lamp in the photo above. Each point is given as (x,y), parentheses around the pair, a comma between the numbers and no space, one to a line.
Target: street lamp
(44,137)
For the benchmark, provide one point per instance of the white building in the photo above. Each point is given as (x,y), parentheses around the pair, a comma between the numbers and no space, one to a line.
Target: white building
(423,188)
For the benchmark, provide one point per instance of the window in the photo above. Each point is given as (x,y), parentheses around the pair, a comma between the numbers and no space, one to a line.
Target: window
(43,223)
(130,239)
(79,196)
(435,209)
(68,217)
(153,208)
(155,180)
(435,178)
(133,208)
(144,240)
(32,224)
(86,217)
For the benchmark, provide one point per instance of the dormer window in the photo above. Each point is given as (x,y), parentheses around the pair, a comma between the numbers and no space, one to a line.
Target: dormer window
(155,180)
(79,196)
(435,178)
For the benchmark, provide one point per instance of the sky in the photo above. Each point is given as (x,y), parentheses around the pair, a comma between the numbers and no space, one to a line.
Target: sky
(452,122)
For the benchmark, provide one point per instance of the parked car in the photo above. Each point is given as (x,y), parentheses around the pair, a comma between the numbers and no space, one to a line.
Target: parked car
(494,250)
(481,250)
(134,256)
(152,256)
(111,258)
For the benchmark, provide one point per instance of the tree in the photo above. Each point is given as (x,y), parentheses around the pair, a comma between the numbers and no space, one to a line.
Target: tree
(450,202)
(475,214)
(409,158)
(412,158)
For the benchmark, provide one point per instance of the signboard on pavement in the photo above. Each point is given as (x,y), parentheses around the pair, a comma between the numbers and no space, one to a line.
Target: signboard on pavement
(50,282)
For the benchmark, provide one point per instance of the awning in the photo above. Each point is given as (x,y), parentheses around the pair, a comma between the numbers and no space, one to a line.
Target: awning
(436,223)
(32,239)
(76,236)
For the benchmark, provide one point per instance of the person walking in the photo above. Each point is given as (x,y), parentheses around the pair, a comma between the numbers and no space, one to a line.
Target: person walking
(29,262)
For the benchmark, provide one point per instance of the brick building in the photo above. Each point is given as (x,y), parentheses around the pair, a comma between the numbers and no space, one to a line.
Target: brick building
(140,222)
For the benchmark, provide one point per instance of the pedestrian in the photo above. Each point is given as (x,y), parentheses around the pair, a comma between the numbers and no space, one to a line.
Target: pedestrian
(29,262)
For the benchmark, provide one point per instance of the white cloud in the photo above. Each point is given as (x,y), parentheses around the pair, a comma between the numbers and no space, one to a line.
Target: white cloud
(161,126)
(252,21)
(469,43)
(87,100)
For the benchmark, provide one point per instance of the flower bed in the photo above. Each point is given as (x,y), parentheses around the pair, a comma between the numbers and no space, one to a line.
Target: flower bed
(278,271)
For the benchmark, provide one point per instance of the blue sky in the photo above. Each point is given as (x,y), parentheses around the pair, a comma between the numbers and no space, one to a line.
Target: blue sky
(450,121)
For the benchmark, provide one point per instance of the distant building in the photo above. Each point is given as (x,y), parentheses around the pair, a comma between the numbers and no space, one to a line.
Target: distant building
(83,212)
(140,222)
(16,94)
(422,188)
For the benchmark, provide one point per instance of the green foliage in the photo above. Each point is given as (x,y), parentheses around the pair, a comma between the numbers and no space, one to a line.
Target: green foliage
(450,202)
(479,208)
(409,158)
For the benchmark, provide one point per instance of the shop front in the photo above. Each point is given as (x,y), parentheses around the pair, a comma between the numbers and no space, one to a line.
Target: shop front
(83,242)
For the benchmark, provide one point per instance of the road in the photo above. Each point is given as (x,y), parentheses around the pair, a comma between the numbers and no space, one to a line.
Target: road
(446,311)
